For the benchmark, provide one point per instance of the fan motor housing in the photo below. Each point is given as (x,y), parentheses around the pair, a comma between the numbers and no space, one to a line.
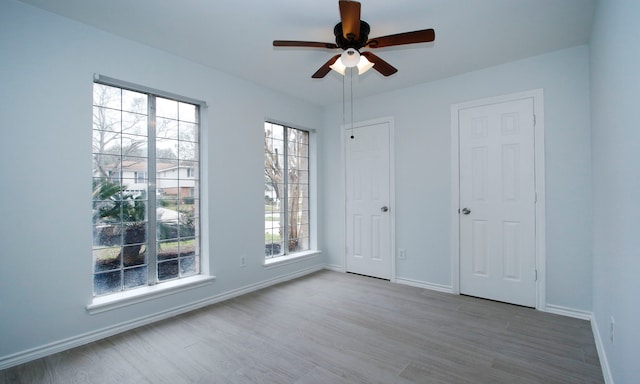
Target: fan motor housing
(344,43)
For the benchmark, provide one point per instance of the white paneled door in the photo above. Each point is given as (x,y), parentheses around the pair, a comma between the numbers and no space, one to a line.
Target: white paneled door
(368,221)
(497,202)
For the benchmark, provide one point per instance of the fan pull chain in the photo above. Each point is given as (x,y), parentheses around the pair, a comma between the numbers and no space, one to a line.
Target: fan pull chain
(351,95)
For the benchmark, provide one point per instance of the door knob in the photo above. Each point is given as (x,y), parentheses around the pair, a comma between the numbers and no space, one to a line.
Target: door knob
(384,209)
(466,211)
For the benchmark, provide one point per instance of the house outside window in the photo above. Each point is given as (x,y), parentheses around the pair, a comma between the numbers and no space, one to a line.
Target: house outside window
(286,216)
(141,177)
(144,231)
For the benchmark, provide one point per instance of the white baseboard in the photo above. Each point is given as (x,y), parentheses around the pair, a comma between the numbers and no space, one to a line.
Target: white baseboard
(425,285)
(602,354)
(334,267)
(586,315)
(570,312)
(78,340)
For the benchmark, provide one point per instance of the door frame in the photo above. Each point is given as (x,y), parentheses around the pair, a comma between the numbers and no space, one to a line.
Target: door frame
(392,195)
(539,172)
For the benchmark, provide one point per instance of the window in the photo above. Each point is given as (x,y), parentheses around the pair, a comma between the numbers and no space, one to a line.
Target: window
(146,222)
(141,177)
(286,185)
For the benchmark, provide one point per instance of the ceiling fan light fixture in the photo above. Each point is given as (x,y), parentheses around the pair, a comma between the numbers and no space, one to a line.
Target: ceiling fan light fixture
(338,66)
(350,57)
(364,65)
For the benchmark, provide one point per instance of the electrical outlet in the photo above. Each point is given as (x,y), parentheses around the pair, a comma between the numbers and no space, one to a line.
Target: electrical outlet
(612,329)
(402,254)
(243,261)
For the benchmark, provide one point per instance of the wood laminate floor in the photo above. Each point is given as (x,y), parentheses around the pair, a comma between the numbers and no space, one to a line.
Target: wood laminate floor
(330,327)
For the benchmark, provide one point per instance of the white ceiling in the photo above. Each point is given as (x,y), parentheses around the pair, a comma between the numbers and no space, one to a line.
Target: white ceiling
(236,36)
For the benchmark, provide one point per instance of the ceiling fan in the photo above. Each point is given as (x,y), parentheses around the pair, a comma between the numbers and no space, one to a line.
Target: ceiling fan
(352,34)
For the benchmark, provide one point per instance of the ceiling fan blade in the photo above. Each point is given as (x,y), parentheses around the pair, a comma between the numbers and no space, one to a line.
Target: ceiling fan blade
(309,44)
(322,72)
(350,18)
(380,65)
(423,36)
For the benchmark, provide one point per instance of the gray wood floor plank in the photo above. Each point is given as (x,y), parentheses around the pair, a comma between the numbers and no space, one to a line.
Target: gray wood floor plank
(330,327)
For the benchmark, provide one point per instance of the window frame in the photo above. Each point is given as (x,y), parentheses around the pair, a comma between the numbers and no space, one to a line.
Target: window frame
(155,287)
(286,256)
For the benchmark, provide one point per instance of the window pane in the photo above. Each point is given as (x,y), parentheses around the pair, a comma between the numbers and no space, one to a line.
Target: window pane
(134,102)
(134,124)
(107,119)
(107,96)
(187,112)
(166,108)
(286,174)
(188,131)
(134,146)
(135,277)
(121,185)
(166,149)
(168,270)
(107,258)
(166,129)
(108,282)
(188,150)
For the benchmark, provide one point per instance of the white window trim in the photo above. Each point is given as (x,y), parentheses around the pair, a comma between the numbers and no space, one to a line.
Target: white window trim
(145,293)
(313,203)
(291,258)
(141,294)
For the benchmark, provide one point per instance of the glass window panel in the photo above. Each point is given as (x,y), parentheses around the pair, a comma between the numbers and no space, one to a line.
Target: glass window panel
(187,247)
(188,150)
(290,219)
(107,213)
(121,181)
(187,112)
(106,258)
(105,119)
(188,131)
(103,163)
(134,102)
(135,234)
(131,164)
(166,108)
(107,96)
(108,282)
(168,270)
(168,249)
(135,277)
(105,236)
(191,169)
(166,149)
(134,146)
(188,266)
(134,255)
(168,202)
(134,124)
(167,230)
(166,129)
(106,142)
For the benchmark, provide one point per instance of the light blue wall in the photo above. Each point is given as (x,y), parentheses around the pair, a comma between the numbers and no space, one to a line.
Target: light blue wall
(423,168)
(615,90)
(46,72)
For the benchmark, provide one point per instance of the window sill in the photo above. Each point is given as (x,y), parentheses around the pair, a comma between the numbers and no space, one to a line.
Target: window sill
(134,296)
(288,259)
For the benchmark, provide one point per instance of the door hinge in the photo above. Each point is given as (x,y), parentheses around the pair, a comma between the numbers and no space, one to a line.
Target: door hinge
(535,275)
(534,120)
